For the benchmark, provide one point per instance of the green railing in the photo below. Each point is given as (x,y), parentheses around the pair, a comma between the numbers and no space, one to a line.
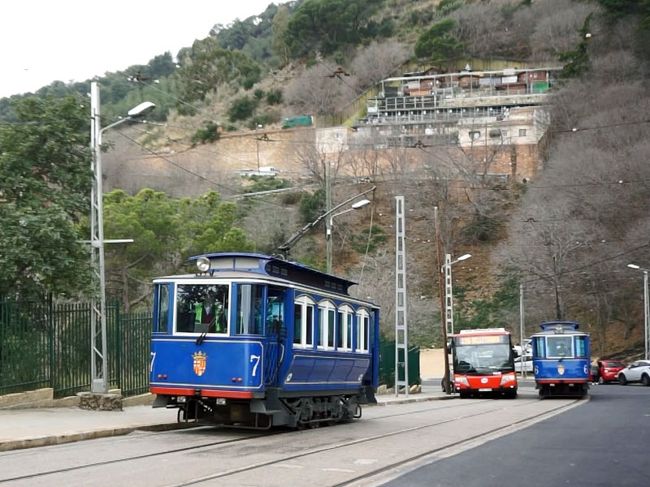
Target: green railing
(387,364)
(48,345)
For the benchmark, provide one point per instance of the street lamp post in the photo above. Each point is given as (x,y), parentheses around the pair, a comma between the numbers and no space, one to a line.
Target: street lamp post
(449,298)
(98,346)
(328,229)
(646,304)
(283,250)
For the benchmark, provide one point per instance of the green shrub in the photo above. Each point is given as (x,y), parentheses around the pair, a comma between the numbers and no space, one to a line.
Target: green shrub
(274,97)
(208,133)
(242,109)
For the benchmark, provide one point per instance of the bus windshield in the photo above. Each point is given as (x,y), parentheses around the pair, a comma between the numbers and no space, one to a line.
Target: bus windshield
(483,359)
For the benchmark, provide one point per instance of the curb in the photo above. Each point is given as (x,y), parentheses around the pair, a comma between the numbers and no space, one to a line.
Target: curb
(87,435)
(407,400)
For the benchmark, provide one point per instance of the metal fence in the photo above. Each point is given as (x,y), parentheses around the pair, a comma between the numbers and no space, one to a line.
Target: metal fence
(387,364)
(47,344)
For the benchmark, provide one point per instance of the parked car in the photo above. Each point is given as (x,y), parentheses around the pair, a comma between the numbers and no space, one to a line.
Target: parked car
(638,371)
(608,370)
(527,364)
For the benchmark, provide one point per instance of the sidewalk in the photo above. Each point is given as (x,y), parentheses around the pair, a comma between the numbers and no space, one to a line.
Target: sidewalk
(27,428)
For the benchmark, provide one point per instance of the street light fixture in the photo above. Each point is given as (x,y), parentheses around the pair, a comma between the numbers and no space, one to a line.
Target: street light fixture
(98,345)
(646,304)
(328,229)
(449,299)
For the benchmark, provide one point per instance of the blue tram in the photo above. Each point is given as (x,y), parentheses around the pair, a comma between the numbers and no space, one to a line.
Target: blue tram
(257,341)
(561,359)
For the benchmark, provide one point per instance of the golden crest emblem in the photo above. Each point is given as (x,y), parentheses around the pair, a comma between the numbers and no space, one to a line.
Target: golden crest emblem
(199,362)
(560,369)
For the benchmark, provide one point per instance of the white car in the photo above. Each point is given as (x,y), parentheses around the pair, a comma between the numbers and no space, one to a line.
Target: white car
(638,371)
(527,361)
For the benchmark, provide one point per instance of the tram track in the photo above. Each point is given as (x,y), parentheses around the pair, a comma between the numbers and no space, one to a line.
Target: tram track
(384,468)
(73,468)
(314,451)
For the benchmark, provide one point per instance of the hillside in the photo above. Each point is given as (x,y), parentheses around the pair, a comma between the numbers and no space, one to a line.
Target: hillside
(565,235)
(486,288)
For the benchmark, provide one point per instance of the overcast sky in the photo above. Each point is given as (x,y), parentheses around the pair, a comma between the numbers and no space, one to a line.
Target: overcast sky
(73,40)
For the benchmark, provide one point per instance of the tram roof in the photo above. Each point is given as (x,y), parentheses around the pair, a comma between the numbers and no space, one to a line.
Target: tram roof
(268,265)
(560,327)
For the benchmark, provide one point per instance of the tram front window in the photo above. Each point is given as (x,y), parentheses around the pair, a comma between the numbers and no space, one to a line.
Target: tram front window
(559,346)
(202,308)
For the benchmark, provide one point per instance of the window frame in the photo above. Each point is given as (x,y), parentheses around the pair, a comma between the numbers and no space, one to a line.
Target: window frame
(305,302)
(177,284)
(362,330)
(326,326)
(344,327)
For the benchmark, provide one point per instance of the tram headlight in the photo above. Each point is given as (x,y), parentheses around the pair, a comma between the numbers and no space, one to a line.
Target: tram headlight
(203,264)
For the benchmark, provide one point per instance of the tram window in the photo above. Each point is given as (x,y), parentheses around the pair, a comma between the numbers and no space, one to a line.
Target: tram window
(250,309)
(581,346)
(275,311)
(344,328)
(326,314)
(162,301)
(303,324)
(201,307)
(363,322)
(559,346)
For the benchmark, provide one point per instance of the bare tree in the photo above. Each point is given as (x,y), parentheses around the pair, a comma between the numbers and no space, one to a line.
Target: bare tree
(377,61)
(319,90)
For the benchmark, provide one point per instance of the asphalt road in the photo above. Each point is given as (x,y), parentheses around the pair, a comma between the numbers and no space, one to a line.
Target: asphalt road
(604,442)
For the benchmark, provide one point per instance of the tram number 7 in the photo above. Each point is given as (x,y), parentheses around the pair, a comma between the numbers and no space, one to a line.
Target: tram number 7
(153,359)
(254,359)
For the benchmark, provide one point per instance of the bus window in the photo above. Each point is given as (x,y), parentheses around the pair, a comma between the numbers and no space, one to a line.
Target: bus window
(250,307)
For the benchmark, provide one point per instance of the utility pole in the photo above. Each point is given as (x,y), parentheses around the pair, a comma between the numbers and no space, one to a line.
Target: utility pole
(441,289)
(401,328)
(99,360)
(522,355)
(328,209)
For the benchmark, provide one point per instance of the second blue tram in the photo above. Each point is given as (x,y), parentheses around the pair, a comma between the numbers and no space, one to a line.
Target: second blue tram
(561,359)
(253,340)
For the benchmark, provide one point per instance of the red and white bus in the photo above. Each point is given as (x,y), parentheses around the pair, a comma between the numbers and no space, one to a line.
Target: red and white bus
(483,361)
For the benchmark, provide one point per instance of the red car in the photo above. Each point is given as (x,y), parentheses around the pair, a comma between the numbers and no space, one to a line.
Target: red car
(608,370)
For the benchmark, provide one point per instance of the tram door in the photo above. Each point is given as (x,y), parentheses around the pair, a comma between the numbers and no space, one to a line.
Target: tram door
(275,334)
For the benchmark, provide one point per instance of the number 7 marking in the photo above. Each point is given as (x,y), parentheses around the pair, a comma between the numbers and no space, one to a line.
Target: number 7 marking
(256,359)
(153,359)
